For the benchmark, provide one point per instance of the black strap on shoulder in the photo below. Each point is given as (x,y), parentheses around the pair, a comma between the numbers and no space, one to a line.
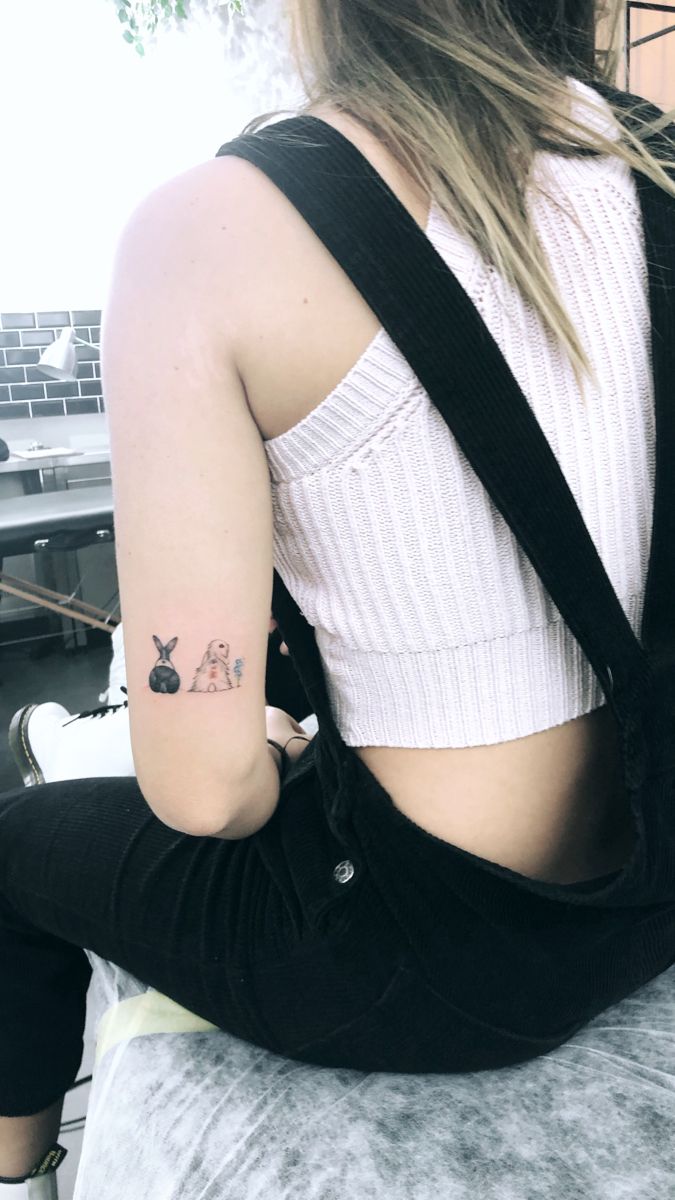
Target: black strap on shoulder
(658,213)
(430,317)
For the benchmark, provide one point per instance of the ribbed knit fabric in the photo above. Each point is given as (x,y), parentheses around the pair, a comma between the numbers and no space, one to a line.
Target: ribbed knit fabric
(433,627)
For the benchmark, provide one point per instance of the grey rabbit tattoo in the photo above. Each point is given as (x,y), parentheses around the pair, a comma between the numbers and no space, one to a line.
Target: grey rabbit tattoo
(163,676)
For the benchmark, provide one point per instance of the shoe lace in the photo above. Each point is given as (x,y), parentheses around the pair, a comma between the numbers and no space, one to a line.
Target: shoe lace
(102,711)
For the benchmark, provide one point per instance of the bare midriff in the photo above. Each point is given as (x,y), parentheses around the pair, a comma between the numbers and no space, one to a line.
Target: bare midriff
(550,805)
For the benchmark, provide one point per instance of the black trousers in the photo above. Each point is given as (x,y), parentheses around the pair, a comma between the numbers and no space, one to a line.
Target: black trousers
(382,955)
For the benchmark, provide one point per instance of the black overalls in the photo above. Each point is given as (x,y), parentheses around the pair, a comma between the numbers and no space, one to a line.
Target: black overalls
(341,933)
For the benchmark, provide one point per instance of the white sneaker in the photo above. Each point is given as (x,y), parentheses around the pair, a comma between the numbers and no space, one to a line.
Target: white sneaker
(44,1187)
(48,743)
(117,677)
(13,1191)
(310,724)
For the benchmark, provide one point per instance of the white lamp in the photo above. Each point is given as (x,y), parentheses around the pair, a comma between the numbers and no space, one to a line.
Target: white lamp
(59,360)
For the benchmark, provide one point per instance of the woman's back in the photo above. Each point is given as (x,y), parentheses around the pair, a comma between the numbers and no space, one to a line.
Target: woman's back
(548,803)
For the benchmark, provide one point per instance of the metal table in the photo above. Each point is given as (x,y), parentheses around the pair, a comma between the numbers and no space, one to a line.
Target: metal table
(64,520)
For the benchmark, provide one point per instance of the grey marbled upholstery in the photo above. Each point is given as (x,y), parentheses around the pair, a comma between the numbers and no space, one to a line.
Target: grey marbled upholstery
(202,1116)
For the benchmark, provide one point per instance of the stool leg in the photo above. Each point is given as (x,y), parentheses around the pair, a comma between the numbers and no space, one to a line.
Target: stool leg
(46,1188)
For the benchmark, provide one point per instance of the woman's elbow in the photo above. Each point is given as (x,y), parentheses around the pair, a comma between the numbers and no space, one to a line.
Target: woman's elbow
(192,810)
(230,809)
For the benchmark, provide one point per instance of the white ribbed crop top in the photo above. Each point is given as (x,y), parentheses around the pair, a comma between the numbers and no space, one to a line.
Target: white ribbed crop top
(433,627)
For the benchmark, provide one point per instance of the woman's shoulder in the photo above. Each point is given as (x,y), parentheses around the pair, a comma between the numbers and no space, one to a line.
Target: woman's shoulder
(254,191)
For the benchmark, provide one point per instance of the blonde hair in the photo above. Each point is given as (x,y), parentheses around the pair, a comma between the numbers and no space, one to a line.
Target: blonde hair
(463,93)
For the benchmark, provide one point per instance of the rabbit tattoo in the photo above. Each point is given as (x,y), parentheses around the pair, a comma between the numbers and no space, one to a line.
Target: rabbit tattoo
(213,672)
(163,676)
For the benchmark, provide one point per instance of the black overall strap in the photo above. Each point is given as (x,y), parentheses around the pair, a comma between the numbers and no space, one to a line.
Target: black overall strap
(435,325)
(658,213)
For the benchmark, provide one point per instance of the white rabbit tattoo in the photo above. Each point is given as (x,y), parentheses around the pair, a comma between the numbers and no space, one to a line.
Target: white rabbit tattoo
(213,672)
(164,677)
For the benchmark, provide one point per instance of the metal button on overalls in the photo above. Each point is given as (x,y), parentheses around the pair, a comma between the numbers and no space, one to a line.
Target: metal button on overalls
(343,872)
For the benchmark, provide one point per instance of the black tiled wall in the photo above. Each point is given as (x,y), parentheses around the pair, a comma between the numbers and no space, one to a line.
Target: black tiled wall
(24,390)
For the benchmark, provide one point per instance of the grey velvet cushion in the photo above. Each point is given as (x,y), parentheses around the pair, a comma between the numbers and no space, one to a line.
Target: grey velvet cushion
(199,1115)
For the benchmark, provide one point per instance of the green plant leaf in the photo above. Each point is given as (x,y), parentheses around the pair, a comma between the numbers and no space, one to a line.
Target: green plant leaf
(144,17)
